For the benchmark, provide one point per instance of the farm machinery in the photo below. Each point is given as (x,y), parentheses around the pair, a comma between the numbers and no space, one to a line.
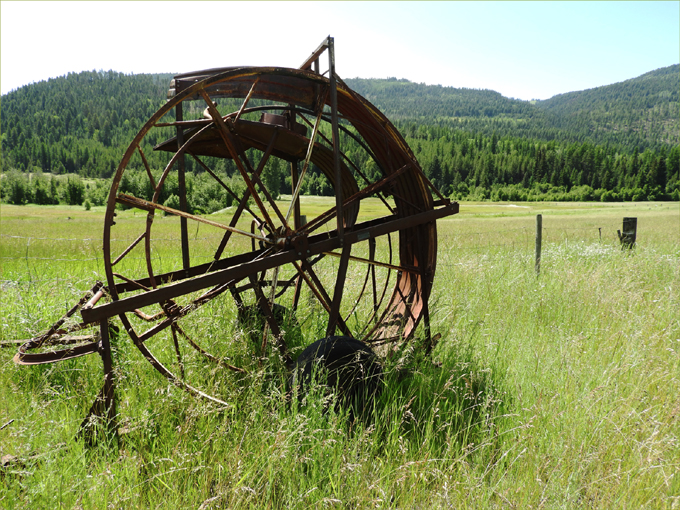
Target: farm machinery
(368,275)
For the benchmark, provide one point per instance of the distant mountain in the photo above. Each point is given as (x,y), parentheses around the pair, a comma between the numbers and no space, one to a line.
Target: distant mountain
(402,99)
(637,114)
(643,107)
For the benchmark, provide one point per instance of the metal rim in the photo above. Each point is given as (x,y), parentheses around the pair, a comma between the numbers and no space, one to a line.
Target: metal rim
(400,184)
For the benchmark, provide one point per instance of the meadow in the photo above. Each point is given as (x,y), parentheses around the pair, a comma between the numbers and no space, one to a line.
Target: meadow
(558,390)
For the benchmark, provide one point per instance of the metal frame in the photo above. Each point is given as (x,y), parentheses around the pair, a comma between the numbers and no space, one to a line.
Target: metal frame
(304,94)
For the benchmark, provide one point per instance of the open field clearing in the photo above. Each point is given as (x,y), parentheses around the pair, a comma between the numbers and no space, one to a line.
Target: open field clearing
(553,391)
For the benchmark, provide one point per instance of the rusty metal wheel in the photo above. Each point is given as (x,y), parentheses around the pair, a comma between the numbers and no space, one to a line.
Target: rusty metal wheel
(364,265)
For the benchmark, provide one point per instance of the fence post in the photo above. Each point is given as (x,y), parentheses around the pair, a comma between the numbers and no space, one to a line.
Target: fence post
(629,233)
(539,234)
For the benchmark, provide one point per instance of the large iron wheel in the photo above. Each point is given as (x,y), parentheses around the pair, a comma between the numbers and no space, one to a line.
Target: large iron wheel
(371,276)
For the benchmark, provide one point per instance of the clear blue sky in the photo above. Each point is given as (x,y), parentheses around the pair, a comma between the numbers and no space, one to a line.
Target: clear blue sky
(527,50)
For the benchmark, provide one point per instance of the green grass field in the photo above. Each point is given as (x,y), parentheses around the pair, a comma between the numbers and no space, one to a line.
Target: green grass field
(556,391)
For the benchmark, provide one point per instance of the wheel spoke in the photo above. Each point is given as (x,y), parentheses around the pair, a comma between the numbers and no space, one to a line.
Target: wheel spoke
(179,355)
(145,205)
(221,183)
(310,149)
(205,353)
(320,292)
(263,188)
(370,269)
(376,304)
(242,204)
(325,217)
(226,136)
(354,167)
(338,291)
(273,324)
(129,248)
(245,101)
(375,263)
(272,296)
(371,248)
(147,168)
(168,374)
(310,283)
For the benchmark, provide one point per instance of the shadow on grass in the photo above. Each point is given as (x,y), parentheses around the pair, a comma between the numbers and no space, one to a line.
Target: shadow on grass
(422,407)
(436,406)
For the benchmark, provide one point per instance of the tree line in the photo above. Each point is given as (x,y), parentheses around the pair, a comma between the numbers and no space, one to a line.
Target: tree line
(466,165)
(62,136)
(461,165)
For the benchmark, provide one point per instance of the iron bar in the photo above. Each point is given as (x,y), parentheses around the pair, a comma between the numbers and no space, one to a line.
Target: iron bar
(226,136)
(221,183)
(336,138)
(186,262)
(310,148)
(322,295)
(145,205)
(315,56)
(245,101)
(244,201)
(242,270)
(374,263)
(128,249)
(338,290)
(369,190)
(147,168)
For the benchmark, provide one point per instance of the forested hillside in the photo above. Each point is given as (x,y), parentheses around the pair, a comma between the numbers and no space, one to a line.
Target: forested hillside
(624,113)
(618,142)
(80,123)
(641,113)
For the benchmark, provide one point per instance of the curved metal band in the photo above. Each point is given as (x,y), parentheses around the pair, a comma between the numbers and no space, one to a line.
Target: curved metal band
(25,358)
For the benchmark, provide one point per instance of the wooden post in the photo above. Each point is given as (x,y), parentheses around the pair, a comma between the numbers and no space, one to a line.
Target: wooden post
(539,235)
(629,235)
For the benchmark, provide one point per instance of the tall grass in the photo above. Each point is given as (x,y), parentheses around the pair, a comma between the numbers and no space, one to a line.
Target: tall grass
(556,391)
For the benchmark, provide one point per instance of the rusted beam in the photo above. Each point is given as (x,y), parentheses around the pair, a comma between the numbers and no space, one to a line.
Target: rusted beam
(145,205)
(374,263)
(338,290)
(226,135)
(243,270)
(245,101)
(243,204)
(181,181)
(128,249)
(320,292)
(310,149)
(307,64)
(336,138)
(369,190)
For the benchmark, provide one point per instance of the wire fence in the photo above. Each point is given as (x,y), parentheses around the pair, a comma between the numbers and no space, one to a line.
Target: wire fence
(22,256)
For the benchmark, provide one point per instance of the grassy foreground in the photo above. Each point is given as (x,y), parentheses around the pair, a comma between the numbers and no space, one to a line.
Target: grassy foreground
(557,391)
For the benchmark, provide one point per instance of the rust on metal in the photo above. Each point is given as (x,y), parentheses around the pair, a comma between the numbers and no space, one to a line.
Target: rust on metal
(249,117)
